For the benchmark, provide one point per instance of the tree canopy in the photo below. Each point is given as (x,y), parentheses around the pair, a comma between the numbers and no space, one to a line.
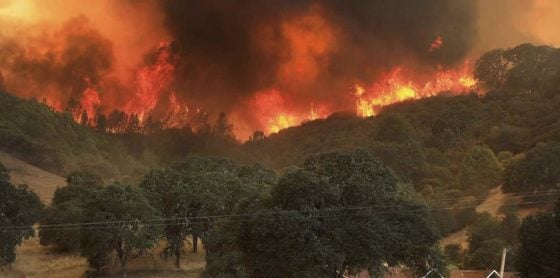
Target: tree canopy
(539,251)
(524,68)
(309,228)
(480,171)
(199,187)
(19,210)
(538,170)
(131,229)
(67,207)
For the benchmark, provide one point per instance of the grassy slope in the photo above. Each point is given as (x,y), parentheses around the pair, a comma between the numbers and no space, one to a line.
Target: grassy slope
(40,181)
(32,132)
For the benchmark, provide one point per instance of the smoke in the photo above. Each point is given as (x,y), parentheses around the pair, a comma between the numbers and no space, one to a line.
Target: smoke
(252,59)
(506,23)
(58,66)
(308,49)
(301,54)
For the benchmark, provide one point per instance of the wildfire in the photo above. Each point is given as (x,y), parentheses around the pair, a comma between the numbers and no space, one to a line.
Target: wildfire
(301,65)
(276,113)
(90,103)
(152,80)
(396,87)
(280,122)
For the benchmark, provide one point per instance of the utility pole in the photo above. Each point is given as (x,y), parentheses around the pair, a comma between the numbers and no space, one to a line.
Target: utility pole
(503,265)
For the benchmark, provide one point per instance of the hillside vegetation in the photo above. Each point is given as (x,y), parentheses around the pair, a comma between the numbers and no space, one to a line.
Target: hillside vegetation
(33,132)
(438,158)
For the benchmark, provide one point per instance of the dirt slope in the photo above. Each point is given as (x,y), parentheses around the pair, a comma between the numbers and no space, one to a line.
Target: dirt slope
(492,204)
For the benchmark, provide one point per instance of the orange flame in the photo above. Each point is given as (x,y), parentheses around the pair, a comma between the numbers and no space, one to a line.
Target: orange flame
(275,113)
(90,102)
(151,82)
(395,87)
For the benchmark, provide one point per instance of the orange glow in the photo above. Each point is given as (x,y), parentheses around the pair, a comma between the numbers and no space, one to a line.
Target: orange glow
(281,121)
(436,44)
(275,113)
(395,87)
(309,38)
(90,102)
(151,81)
(177,113)
(306,79)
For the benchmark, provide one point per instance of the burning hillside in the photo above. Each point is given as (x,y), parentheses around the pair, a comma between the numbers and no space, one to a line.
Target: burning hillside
(268,65)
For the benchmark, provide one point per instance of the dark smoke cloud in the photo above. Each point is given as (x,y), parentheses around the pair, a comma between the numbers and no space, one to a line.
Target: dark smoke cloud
(225,52)
(60,65)
(222,64)
(379,34)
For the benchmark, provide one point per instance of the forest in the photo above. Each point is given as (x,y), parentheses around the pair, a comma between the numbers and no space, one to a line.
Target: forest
(344,194)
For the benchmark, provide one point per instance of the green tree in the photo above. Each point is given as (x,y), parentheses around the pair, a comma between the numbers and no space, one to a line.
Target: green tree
(454,254)
(407,160)
(394,128)
(19,210)
(491,68)
(487,236)
(132,227)
(200,187)
(67,207)
(524,68)
(320,235)
(484,227)
(539,170)
(452,124)
(487,255)
(539,251)
(480,170)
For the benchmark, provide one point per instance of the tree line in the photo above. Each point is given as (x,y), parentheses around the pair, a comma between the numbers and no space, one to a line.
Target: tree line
(337,213)
(251,221)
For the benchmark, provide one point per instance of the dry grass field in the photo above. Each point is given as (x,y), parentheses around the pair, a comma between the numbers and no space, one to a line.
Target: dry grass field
(34,260)
(43,183)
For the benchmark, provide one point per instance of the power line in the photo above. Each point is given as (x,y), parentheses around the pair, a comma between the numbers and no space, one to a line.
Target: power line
(206,217)
(535,262)
(277,212)
(280,214)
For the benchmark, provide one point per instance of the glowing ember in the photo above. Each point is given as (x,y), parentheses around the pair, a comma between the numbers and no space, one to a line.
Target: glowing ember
(436,44)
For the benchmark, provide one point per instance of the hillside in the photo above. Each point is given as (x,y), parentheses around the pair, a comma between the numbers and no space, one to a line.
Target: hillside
(39,181)
(34,133)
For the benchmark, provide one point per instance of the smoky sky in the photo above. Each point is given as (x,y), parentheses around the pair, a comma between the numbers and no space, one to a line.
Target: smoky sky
(220,60)
(226,55)
(74,58)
